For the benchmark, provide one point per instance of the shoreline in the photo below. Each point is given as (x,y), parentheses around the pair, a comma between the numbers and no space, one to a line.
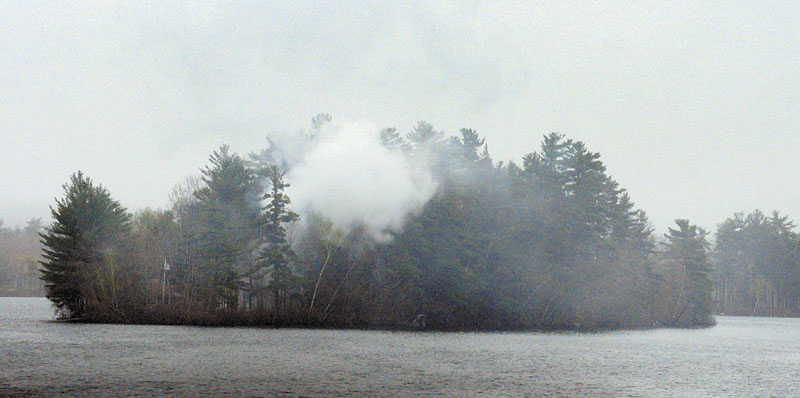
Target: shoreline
(387,328)
(264,320)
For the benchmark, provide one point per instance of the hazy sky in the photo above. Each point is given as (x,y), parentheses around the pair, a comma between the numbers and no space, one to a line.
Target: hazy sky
(694,106)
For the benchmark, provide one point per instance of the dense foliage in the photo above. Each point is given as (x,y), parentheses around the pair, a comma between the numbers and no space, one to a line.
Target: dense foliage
(686,248)
(757,265)
(551,243)
(83,250)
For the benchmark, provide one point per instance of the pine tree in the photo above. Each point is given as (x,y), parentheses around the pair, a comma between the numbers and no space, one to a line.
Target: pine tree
(468,145)
(424,135)
(87,225)
(224,226)
(392,140)
(686,248)
(756,264)
(277,253)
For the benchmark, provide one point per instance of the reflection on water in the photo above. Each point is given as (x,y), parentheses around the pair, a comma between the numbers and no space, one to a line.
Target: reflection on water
(738,357)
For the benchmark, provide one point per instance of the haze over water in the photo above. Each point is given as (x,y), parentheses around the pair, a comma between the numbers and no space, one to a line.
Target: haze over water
(738,357)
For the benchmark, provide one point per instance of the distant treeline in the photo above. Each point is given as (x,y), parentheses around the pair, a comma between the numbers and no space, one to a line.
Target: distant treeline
(553,242)
(757,266)
(19,260)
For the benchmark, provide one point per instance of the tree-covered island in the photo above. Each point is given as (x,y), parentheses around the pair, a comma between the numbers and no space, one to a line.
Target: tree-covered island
(550,243)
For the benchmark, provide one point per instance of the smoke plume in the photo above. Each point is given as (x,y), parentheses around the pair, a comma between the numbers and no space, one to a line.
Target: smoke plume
(345,174)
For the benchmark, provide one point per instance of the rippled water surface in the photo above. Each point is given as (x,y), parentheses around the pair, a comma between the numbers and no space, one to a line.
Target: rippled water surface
(738,357)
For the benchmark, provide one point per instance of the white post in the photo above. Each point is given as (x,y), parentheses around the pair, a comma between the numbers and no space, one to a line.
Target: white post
(164,282)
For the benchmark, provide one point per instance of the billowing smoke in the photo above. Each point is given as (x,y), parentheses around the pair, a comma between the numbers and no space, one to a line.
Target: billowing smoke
(348,176)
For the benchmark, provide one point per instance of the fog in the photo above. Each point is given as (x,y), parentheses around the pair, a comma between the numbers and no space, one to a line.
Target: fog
(693,106)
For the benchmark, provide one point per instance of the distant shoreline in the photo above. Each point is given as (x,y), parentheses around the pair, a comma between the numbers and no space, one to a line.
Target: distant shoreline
(232,320)
(6,294)
(551,329)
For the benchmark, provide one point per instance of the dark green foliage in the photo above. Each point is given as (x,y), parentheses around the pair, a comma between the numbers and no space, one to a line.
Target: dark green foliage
(277,254)
(555,244)
(85,237)
(686,250)
(218,231)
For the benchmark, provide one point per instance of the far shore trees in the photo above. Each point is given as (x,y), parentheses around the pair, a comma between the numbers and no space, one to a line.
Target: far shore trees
(20,252)
(757,265)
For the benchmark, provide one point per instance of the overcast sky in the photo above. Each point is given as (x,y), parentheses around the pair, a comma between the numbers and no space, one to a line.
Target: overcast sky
(695,106)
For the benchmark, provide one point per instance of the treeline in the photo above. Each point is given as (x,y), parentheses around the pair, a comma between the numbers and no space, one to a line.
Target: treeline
(553,242)
(757,266)
(20,251)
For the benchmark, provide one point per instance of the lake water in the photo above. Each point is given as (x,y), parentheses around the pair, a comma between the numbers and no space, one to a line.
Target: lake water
(739,357)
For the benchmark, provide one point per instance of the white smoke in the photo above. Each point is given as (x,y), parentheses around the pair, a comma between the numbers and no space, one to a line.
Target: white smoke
(348,176)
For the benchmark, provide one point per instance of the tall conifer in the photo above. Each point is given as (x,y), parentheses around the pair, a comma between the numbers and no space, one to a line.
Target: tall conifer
(87,225)
(277,254)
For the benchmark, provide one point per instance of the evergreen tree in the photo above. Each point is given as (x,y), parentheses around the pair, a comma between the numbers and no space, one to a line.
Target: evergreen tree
(424,135)
(277,254)
(757,266)
(392,140)
(468,145)
(686,249)
(224,225)
(554,150)
(88,226)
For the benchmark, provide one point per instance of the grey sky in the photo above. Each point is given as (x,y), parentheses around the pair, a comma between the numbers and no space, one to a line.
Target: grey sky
(694,106)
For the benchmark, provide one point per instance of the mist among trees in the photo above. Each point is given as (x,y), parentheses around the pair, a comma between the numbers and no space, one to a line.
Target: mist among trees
(416,229)
(19,260)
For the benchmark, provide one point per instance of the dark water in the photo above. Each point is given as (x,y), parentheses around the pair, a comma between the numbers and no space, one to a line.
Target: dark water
(739,357)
